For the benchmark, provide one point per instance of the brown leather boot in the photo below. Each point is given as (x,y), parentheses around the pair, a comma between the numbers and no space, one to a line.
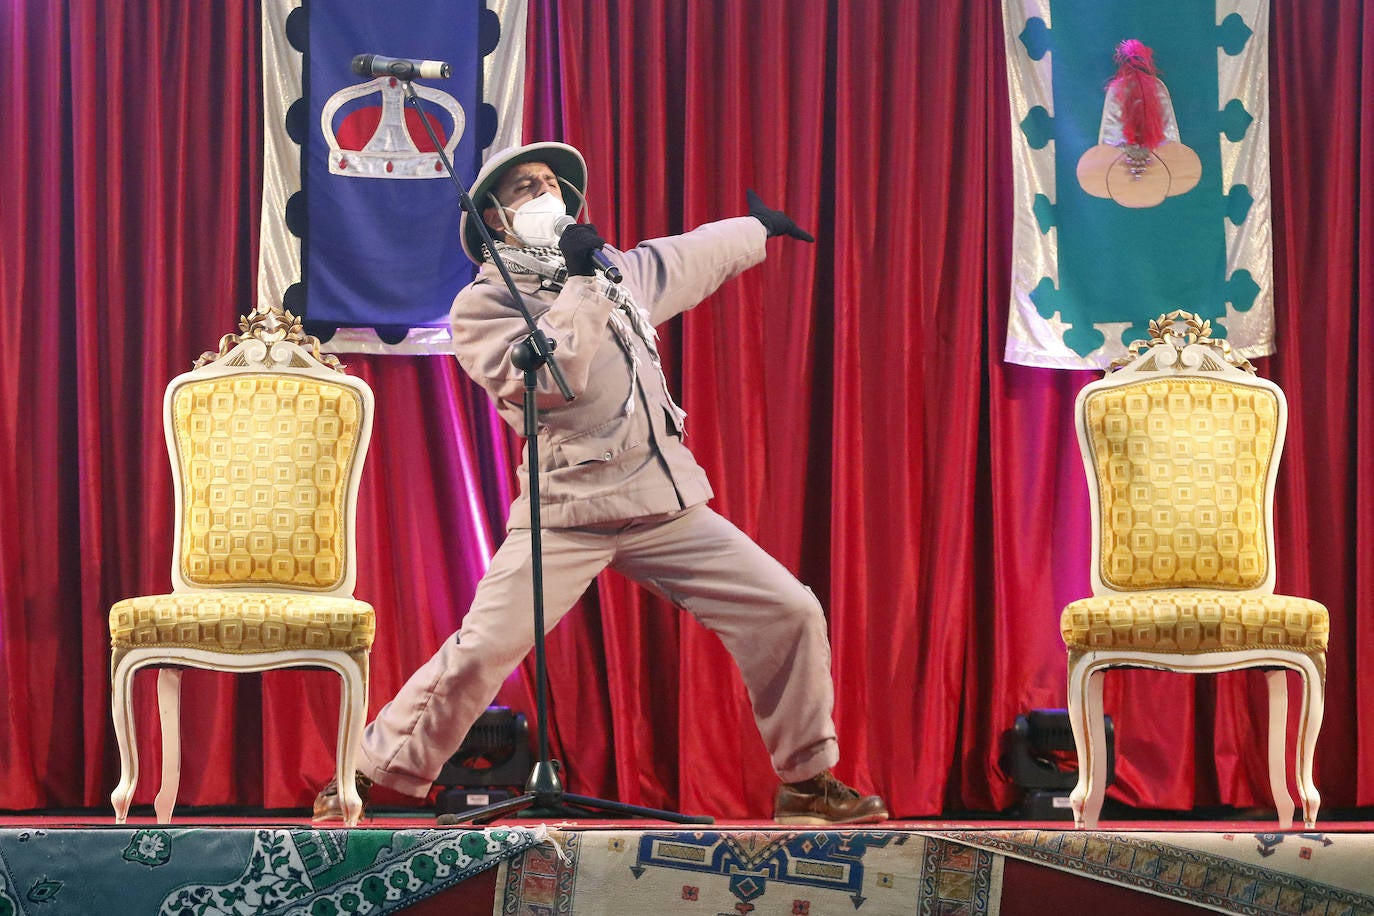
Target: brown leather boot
(328,805)
(823,799)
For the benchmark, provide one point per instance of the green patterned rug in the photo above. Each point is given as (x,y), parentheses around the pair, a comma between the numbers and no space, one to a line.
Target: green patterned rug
(167,870)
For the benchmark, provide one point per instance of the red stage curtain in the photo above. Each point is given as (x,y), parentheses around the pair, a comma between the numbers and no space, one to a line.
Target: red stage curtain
(848,398)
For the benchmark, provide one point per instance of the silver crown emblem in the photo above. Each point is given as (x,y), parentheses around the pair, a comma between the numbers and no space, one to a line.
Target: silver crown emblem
(391,151)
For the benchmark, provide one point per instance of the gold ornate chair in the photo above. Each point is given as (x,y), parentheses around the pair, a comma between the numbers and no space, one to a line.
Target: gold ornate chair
(267,440)
(1181,444)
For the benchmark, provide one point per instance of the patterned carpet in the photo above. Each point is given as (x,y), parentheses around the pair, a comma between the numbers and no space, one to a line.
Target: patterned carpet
(738,870)
(950,872)
(213,871)
(798,873)
(1255,873)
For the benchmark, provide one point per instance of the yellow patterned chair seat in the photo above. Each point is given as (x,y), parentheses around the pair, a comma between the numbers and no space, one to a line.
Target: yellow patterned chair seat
(1181,445)
(267,441)
(243,622)
(1194,620)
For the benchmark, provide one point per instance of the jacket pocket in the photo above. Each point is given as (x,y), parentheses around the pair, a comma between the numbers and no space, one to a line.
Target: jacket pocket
(604,443)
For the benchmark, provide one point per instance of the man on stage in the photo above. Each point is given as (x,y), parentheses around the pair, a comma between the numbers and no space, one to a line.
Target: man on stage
(618,487)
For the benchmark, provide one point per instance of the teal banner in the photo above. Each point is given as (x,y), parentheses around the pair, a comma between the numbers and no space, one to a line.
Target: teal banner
(1140,148)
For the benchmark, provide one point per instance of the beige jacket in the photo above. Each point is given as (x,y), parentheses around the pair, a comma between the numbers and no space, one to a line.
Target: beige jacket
(605,456)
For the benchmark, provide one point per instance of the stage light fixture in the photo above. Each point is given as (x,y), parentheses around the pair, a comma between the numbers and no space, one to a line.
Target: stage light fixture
(1038,756)
(490,765)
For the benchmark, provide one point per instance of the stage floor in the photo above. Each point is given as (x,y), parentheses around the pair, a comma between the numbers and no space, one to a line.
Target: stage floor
(218,862)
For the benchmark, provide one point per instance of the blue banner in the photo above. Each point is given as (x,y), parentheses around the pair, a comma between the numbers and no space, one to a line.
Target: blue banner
(378,214)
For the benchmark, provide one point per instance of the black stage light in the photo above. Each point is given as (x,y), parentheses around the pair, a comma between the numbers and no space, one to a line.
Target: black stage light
(1039,757)
(491,764)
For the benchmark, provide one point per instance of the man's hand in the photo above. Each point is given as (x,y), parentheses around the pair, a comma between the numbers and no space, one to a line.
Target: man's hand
(775,221)
(577,244)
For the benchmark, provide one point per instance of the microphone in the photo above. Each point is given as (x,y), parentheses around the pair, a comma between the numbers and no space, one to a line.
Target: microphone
(403,68)
(599,258)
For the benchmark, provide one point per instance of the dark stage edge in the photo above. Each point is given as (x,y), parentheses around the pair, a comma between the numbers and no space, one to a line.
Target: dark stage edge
(213,862)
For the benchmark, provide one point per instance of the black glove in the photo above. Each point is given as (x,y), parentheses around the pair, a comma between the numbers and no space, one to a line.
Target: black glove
(775,221)
(577,244)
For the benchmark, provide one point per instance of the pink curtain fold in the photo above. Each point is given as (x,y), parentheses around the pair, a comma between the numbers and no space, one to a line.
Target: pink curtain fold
(848,399)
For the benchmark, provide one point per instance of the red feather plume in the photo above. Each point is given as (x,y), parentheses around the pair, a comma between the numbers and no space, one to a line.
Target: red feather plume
(1137,86)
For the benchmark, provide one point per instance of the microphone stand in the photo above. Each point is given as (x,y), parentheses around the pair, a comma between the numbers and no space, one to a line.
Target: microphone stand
(544,793)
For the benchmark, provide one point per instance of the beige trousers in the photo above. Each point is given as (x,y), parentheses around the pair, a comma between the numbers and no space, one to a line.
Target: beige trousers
(769,622)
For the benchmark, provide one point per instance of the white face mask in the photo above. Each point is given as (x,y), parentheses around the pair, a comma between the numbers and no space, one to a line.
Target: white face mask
(536,221)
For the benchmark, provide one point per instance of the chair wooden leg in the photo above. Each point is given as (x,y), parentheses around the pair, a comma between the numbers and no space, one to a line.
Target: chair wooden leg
(169,711)
(1277,680)
(1097,740)
(122,711)
(1309,725)
(1089,741)
(352,716)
